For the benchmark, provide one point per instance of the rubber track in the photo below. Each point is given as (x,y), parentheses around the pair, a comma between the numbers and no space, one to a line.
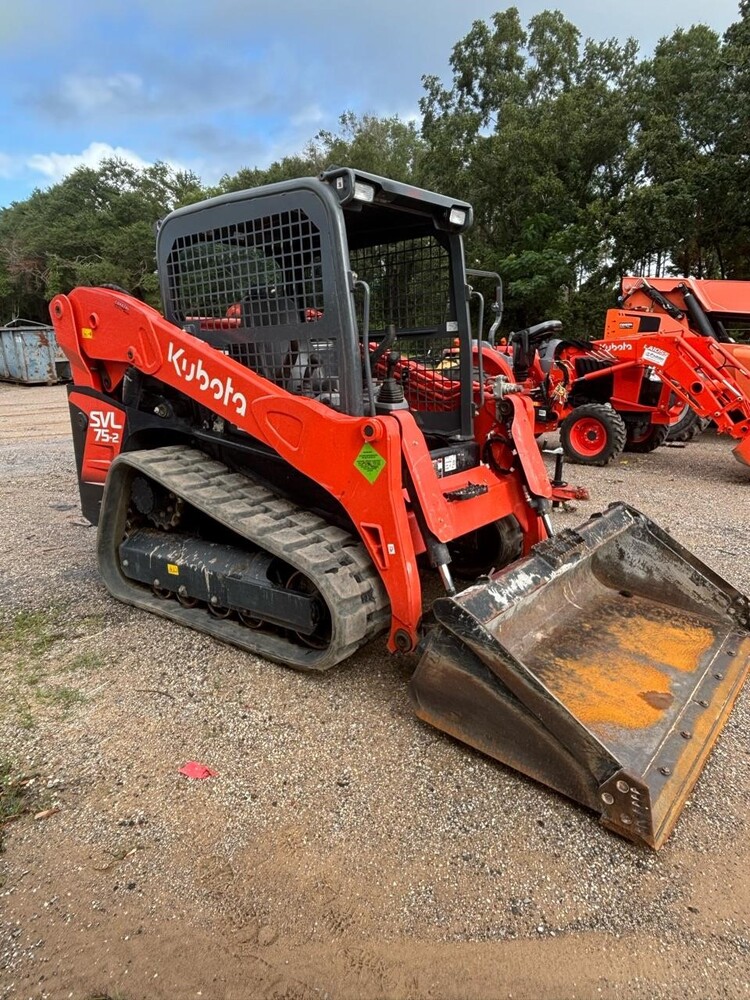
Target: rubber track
(336,562)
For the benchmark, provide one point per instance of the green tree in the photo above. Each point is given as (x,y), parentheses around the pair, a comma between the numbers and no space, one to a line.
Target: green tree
(94,227)
(674,215)
(390,147)
(534,131)
(732,162)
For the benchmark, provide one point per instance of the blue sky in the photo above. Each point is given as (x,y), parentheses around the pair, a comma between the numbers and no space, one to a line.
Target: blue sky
(215,86)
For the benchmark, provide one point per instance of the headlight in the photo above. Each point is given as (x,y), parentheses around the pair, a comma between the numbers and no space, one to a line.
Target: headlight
(363,192)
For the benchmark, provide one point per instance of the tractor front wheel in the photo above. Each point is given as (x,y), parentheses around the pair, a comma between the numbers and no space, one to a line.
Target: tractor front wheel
(593,434)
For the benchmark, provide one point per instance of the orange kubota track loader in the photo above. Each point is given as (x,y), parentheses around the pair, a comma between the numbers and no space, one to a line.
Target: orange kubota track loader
(255,474)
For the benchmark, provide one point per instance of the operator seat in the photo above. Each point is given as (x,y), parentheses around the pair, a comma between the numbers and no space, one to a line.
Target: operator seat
(547,354)
(526,343)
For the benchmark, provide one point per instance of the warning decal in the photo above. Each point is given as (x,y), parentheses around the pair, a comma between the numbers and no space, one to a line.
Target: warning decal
(370,463)
(655,355)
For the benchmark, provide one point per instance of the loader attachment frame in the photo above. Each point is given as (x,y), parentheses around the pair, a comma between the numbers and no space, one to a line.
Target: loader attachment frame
(603,665)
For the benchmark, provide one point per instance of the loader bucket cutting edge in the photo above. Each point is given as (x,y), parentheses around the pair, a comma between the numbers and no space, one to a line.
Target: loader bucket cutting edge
(604,665)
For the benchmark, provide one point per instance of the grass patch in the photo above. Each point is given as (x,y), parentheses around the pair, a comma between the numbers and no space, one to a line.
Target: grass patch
(15,796)
(30,674)
(60,695)
(11,794)
(86,662)
(30,632)
(23,710)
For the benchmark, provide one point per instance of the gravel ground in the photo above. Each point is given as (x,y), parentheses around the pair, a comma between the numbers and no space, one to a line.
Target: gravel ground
(344,849)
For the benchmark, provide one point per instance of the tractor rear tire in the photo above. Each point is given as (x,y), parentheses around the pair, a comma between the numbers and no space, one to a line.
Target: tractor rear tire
(593,434)
(688,427)
(644,438)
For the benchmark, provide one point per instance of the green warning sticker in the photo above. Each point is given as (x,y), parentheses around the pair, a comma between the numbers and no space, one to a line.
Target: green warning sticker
(370,463)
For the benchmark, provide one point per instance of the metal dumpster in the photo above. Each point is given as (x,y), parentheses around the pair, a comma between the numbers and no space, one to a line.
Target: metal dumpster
(29,354)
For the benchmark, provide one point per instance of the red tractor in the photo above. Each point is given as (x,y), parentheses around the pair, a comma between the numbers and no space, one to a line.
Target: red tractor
(684,328)
(601,402)
(666,363)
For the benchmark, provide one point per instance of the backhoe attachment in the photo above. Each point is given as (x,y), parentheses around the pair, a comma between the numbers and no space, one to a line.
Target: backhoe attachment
(604,665)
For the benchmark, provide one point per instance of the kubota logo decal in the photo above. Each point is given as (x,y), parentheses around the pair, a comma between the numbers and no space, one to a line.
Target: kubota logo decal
(222,390)
(610,351)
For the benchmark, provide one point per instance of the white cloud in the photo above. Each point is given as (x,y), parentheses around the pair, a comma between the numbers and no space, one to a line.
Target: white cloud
(55,166)
(313,114)
(85,95)
(8,166)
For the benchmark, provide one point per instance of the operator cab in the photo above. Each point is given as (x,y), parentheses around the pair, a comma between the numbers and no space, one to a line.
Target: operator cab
(348,288)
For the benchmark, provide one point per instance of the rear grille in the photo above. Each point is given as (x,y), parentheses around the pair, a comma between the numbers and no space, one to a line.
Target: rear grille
(258,265)
(255,288)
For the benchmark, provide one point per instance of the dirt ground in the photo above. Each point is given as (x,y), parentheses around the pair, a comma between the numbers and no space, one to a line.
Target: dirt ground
(343,849)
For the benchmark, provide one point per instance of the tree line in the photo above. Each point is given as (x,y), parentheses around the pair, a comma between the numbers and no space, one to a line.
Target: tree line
(583,160)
